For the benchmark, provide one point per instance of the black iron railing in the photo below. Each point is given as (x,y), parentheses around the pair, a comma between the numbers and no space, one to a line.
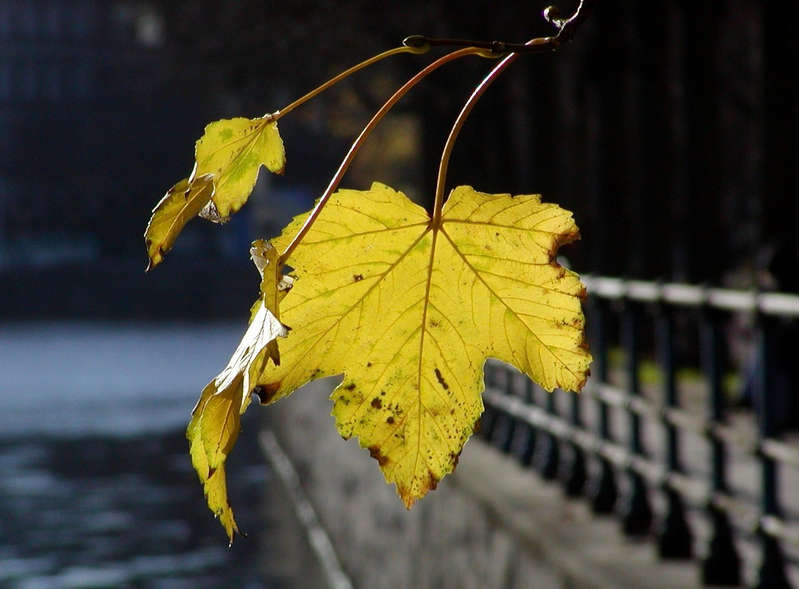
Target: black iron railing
(713,474)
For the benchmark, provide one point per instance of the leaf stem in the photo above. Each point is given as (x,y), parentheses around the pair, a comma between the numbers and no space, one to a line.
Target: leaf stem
(378,116)
(566,30)
(416,49)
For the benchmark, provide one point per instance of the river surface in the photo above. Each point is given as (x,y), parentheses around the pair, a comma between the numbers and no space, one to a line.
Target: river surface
(96,486)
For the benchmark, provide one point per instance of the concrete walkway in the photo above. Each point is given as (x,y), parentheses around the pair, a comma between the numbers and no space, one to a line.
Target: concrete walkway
(490,525)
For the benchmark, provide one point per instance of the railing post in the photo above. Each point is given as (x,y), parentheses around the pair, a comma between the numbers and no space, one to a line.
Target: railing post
(527,447)
(574,471)
(547,458)
(489,417)
(674,538)
(602,488)
(504,435)
(722,565)
(772,567)
(635,510)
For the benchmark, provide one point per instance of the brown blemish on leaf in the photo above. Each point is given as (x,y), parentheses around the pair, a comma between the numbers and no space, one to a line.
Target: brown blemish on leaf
(432,481)
(434,323)
(377,403)
(350,387)
(454,457)
(476,426)
(441,380)
(266,392)
(357,277)
(563,239)
(368,364)
(390,419)
(375,453)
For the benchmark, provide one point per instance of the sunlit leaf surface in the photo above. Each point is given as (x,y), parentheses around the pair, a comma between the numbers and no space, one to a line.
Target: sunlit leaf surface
(228,157)
(409,313)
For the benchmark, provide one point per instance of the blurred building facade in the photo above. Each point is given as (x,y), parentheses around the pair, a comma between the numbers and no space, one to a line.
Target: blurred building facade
(68,75)
(669,129)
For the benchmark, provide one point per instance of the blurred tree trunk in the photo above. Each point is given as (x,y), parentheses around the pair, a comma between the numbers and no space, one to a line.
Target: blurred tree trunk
(700,241)
(780,97)
(651,245)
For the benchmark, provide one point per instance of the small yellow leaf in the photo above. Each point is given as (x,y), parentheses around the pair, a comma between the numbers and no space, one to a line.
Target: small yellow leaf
(215,421)
(213,481)
(232,151)
(228,157)
(409,312)
(181,202)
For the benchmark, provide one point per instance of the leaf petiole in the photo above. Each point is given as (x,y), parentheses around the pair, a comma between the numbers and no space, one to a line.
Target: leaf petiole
(417,50)
(356,145)
(566,29)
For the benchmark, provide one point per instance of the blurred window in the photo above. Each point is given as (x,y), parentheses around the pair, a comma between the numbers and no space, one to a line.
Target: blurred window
(80,81)
(53,14)
(82,19)
(5,19)
(26,74)
(25,18)
(53,85)
(6,77)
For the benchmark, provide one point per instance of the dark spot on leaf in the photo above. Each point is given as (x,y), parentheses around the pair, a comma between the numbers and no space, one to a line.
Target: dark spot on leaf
(357,277)
(441,380)
(377,403)
(375,453)
(350,387)
(368,364)
(382,393)
(434,323)
(266,392)
(390,419)
(454,456)
(315,373)
(432,481)
(476,426)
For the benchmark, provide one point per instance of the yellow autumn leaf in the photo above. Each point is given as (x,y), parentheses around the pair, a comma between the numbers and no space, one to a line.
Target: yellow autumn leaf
(180,203)
(215,421)
(233,151)
(228,157)
(409,313)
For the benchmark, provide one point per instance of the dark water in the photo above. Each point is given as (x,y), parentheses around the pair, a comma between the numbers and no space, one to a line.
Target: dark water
(101,511)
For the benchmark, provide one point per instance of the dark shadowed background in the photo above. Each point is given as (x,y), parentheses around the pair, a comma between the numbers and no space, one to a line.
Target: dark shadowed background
(670,128)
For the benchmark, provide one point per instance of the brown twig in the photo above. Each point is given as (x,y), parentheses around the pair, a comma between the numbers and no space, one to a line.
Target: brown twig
(566,30)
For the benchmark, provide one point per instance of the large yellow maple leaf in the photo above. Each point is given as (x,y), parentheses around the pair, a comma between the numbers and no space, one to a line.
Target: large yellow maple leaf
(409,311)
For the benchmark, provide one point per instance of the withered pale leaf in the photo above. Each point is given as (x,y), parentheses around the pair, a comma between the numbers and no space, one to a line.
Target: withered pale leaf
(179,205)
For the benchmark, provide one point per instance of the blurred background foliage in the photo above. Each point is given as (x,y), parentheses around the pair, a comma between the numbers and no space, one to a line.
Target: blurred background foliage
(669,128)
